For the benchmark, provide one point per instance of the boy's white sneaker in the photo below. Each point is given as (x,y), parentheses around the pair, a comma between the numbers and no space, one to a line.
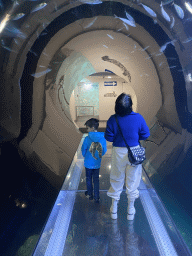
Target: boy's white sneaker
(88,196)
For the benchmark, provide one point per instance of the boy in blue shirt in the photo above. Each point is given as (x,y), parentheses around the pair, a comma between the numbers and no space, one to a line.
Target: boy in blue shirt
(93,148)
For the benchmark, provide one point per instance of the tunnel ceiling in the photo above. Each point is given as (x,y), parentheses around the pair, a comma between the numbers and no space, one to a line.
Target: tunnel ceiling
(32,34)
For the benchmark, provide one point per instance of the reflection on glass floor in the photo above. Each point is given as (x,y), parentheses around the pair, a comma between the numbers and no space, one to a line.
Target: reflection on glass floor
(93,232)
(78,226)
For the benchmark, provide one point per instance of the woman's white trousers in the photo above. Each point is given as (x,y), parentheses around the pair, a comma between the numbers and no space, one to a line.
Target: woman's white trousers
(122,172)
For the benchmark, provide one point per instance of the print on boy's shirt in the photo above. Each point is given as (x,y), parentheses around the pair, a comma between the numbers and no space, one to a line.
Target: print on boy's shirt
(96,146)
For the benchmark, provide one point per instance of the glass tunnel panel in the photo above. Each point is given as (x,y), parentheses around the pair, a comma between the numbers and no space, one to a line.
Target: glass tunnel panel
(49,51)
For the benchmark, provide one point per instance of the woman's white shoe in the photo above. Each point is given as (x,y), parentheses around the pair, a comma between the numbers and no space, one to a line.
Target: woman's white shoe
(113,209)
(131,210)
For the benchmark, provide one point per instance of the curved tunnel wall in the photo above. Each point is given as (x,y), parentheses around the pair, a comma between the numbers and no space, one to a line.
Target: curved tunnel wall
(167,110)
(33,120)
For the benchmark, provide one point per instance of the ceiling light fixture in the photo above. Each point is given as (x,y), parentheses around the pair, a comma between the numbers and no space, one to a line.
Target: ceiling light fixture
(87,86)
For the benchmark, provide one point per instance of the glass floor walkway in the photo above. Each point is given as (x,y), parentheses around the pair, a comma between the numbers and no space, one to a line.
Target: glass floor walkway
(78,227)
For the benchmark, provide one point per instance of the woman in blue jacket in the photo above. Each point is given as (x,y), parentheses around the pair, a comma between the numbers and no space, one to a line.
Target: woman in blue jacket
(134,128)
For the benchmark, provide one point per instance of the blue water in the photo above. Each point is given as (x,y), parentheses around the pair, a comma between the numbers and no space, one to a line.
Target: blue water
(175,191)
(23,185)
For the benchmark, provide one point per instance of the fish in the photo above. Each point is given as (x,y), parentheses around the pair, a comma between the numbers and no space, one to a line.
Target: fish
(105,46)
(15,2)
(92,2)
(188,20)
(159,54)
(126,26)
(37,75)
(126,21)
(167,2)
(33,52)
(9,49)
(129,17)
(44,24)
(149,10)
(12,31)
(172,23)
(179,10)
(151,55)
(19,16)
(188,6)
(145,48)
(189,77)
(43,33)
(2,42)
(3,22)
(187,40)
(181,70)
(110,36)
(144,75)
(91,23)
(16,41)
(163,12)
(45,54)
(173,67)
(163,47)
(55,6)
(39,7)
(161,64)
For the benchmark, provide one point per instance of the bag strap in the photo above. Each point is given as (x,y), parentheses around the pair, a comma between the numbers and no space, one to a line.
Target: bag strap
(121,132)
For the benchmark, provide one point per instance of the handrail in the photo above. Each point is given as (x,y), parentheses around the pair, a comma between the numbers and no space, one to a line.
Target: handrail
(60,214)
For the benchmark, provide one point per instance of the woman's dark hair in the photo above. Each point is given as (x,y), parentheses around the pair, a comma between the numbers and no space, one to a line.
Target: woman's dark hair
(93,122)
(123,104)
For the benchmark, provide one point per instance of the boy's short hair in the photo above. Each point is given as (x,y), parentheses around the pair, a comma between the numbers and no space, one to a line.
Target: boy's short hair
(93,122)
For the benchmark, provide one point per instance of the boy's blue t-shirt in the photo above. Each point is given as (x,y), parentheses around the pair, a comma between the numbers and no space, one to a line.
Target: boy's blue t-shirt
(93,148)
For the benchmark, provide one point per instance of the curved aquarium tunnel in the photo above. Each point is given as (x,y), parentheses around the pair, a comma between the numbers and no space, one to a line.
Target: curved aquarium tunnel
(49,51)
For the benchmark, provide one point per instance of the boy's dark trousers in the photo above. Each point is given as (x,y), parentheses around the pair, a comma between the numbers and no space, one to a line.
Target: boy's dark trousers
(92,174)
